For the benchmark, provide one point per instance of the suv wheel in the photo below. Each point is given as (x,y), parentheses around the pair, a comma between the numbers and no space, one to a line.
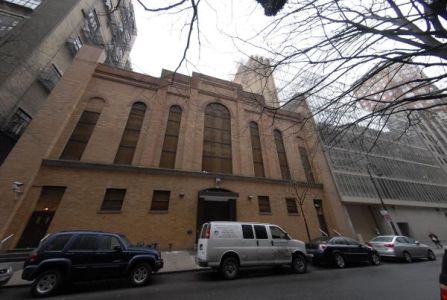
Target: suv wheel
(431,255)
(140,274)
(229,268)
(299,264)
(339,261)
(374,258)
(46,283)
(407,257)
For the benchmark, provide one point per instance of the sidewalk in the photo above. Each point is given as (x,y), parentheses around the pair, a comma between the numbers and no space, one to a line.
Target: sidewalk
(174,261)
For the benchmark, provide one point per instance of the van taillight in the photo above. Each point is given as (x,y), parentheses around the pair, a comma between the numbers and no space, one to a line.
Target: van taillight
(207,233)
(321,247)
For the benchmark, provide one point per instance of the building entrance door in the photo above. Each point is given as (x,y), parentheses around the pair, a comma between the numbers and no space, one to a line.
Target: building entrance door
(41,218)
(215,205)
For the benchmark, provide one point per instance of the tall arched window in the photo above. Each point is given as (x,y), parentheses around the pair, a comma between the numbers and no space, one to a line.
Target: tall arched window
(217,140)
(83,131)
(131,134)
(285,172)
(169,150)
(257,151)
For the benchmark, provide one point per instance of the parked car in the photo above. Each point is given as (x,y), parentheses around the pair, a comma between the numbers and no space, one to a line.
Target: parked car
(228,246)
(443,277)
(5,273)
(401,247)
(87,255)
(340,250)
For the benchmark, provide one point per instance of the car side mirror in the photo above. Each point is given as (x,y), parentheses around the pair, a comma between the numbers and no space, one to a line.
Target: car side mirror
(117,249)
(417,243)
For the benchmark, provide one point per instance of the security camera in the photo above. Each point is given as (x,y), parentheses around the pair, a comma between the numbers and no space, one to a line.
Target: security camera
(18,183)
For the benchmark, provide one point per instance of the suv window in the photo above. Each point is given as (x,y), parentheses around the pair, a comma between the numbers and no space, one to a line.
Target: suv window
(58,243)
(84,242)
(247,232)
(108,243)
(277,233)
(261,232)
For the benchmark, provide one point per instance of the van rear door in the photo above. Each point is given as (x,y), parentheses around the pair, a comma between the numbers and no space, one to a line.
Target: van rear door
(202,244)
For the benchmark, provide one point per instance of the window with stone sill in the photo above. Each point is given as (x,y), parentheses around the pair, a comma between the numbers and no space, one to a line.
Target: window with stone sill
(160,201)
(113,200)
(264,204)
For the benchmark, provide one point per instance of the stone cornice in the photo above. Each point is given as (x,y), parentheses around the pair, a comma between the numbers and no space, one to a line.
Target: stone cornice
(68,164)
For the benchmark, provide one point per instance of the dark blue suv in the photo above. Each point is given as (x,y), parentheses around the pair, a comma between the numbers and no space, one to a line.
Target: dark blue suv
(71,256)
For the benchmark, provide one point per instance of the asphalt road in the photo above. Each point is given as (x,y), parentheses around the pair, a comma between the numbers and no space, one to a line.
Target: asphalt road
(418,280)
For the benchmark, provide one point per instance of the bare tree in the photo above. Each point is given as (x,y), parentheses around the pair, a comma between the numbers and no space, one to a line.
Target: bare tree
(300,192)
(353,52)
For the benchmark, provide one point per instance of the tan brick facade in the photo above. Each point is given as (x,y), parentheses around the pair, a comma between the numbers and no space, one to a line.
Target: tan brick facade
(35,160)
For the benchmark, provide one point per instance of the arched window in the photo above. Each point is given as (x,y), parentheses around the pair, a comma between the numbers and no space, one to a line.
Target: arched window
(257,151)
(285,172)
(83,131)
(131,134)
(217,140)
(169,150)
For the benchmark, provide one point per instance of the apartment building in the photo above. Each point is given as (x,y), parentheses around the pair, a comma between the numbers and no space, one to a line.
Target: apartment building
(38,41)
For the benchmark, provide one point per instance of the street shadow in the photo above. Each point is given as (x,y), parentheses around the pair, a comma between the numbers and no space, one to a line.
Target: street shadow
(249,273)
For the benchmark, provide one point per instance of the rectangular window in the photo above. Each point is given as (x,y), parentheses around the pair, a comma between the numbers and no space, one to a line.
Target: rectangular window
(18,123)
(261,232)
(80,136)
(113,200)
(264,204)
(7,23)
(247,232)
(32,4)
(160,200)
(291,206)
(306,165)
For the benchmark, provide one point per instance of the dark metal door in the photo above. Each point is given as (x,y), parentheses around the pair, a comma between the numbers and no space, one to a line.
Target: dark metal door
(36,229)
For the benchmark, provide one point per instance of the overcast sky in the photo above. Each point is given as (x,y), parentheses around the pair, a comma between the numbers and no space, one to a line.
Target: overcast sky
(161,39)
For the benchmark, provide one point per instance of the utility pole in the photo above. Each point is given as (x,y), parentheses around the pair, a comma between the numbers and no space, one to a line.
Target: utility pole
(380,197)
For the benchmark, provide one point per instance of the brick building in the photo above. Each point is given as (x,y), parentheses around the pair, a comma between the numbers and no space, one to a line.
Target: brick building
(154,158)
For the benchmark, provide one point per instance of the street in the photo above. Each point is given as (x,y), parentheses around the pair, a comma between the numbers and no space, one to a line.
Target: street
(390,280)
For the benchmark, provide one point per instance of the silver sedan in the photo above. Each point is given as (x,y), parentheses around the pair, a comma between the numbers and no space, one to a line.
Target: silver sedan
(5,273)
(402,247)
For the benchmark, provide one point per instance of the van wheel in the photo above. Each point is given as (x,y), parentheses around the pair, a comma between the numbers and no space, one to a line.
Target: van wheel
(140,275)
(299,264)
(229,268)
(47,283)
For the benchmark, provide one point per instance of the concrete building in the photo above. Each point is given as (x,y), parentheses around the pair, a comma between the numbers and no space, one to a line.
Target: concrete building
(38,40)
(154,158)
(402,81)
(400,170)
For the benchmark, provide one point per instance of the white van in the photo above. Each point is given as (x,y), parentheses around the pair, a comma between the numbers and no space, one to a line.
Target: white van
(227,246)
